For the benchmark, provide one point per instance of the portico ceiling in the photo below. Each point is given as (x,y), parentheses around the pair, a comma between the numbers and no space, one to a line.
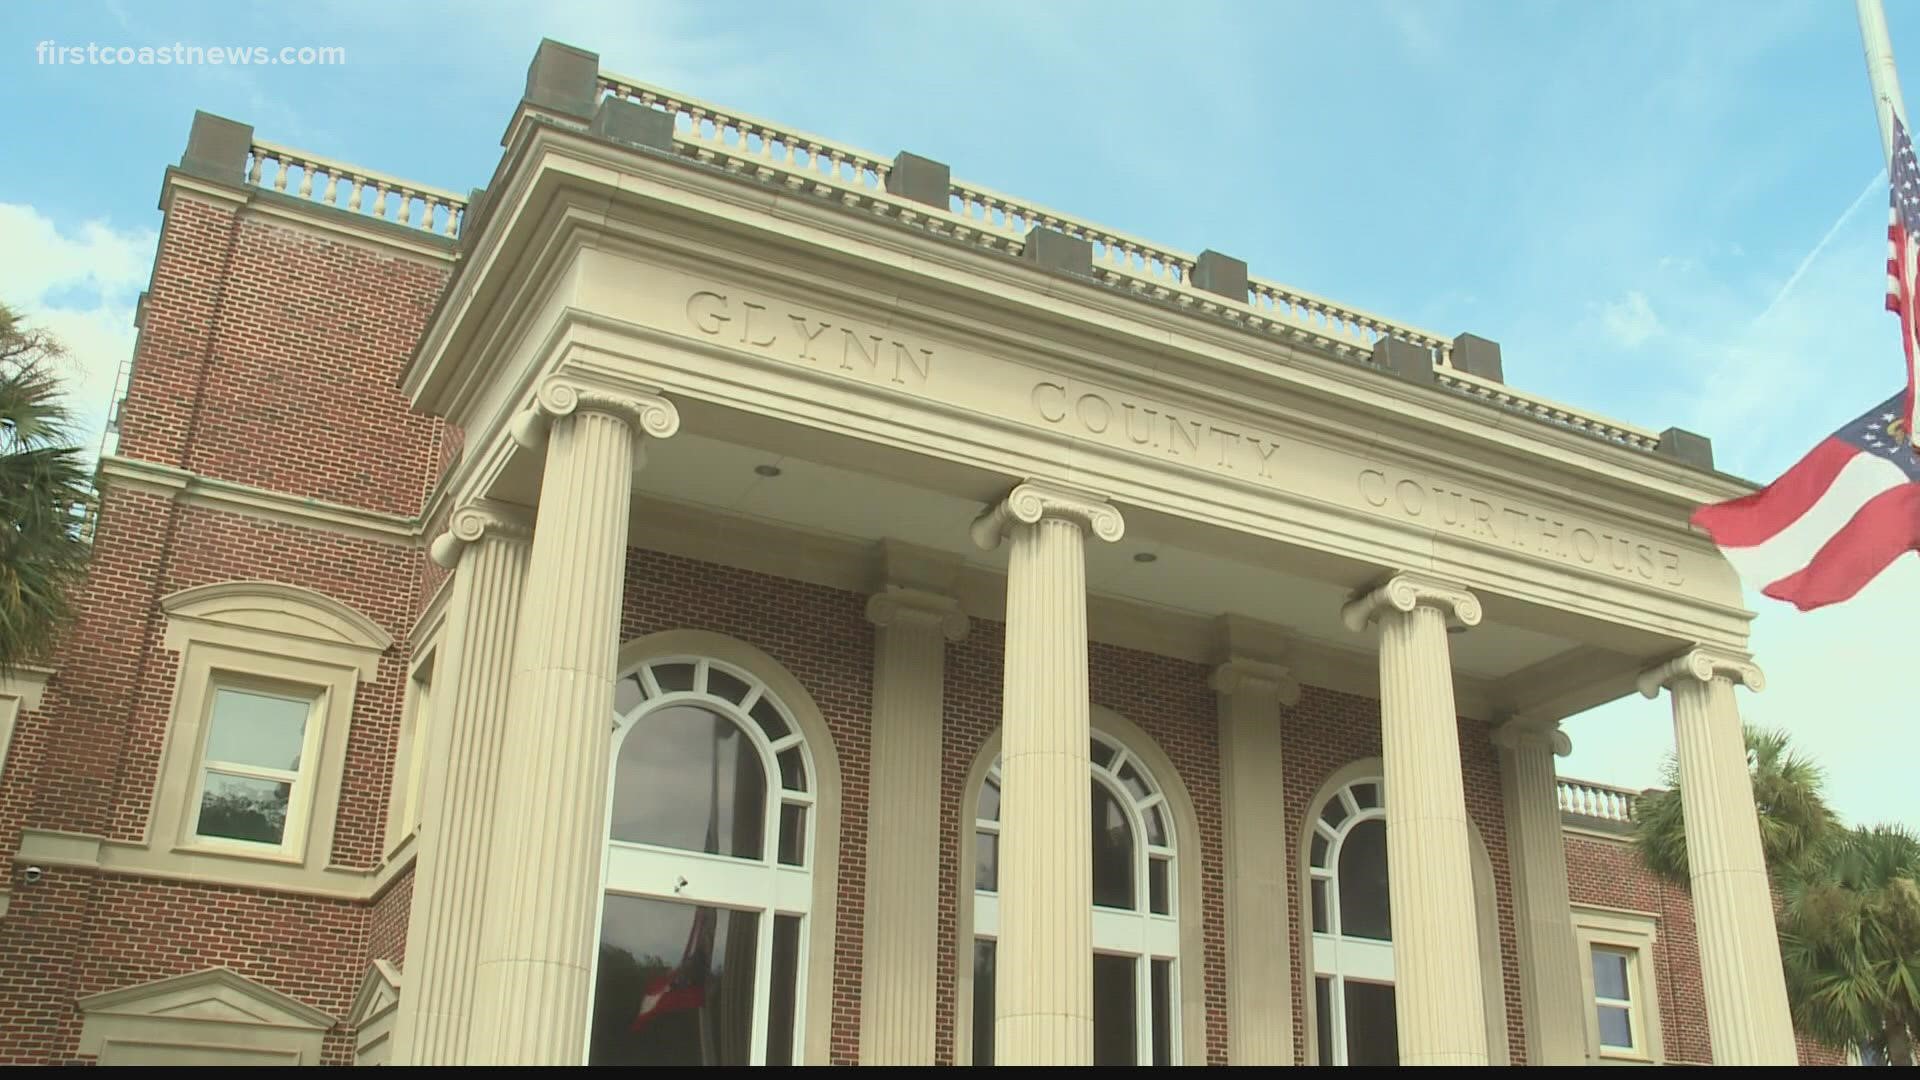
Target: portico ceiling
(826,500)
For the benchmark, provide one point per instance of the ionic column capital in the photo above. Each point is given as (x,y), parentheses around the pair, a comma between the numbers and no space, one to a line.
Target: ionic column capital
(897,604)
(1404,592)
(1532,735)
(564,394)
(1703,665)
(1241,673)
(472,521)
(1035,500)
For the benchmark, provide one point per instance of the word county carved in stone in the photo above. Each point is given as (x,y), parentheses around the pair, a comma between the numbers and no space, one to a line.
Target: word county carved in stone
(1152,426)
(1442,506)
(796,336)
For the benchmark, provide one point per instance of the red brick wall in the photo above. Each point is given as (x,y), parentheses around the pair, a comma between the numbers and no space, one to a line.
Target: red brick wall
(271,356)
(822,636)
(1607,873)
(1329,730)
(387,921)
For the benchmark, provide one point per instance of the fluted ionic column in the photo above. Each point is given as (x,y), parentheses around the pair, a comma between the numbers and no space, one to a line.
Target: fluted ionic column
(903,824)
(1253,795)
(1436,954)
(537,937)
(1550,966)
(1747,1012)
(1043,1001)
(486,548)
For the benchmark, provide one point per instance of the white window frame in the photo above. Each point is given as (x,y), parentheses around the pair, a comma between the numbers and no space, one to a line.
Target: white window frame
(1140,933)
(1633,934)
(764,886)
(300,781)
(1338,958)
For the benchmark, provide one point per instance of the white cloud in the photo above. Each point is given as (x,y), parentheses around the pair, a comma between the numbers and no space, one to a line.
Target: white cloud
(1630,320)
(80,284)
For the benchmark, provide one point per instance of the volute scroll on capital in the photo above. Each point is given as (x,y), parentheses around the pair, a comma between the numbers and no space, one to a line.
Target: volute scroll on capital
(1703,665)
(896,604)
(647,412)
(1240,673)
(1404,592)
(470,523)
(1035,500)
(1517,734)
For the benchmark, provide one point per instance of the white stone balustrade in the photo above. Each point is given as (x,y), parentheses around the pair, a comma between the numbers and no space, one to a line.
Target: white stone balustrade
(356,190)
(1600,801)
(977,215)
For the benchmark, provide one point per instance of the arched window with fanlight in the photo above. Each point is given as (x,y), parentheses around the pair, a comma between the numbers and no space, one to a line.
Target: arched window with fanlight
(1349,936)
(708,882)
(1136,912)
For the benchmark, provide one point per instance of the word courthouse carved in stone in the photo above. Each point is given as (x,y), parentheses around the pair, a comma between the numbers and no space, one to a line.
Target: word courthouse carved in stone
(1442,506)
(794,335)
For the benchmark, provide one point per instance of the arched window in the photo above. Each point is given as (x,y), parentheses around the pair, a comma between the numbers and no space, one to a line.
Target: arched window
(704,935)
(1136,917)
(1350,929)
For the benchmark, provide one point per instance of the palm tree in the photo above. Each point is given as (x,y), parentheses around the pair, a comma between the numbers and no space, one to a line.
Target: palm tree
(1794,819)
(44,492)
(1850,943)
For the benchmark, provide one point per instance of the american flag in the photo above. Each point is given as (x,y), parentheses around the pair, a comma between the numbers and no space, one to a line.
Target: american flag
(1903,254)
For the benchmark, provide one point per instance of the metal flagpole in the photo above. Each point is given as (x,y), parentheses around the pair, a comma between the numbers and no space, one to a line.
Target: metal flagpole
(1880,73)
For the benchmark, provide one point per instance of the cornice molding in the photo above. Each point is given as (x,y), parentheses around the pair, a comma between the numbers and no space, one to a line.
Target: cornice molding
(475,520)
(1036,500)
(1703,665)
(1406,591)
(192,489)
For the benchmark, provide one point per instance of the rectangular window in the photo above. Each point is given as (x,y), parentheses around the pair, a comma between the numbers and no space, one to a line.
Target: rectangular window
(257,766)
(1613,998)
(419,730)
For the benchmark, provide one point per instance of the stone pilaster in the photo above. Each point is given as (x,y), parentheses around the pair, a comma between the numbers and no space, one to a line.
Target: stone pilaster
(1550,962)
(537,936)
(1436,956)
(1732,899)
(1252,688)
(486,548)
(902,911)
(1044,995)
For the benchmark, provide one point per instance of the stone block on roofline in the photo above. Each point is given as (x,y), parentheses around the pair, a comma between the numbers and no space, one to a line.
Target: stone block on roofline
(1055,250)
(217,148)
(476,211)
(563,79)
(923,180)
(1411,362)
(1476,355)
(1686,447)
(1223,275)
(633,124)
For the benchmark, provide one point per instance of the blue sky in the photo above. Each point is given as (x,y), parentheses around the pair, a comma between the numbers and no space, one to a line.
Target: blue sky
(1668,212)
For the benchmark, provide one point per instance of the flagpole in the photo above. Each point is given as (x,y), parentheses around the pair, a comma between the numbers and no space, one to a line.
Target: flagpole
(1881,74)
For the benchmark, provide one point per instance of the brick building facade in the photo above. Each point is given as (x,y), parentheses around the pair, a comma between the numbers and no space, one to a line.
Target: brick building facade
(290,447)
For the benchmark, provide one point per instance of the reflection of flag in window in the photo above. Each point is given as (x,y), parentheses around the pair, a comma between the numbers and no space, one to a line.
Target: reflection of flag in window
(685,987)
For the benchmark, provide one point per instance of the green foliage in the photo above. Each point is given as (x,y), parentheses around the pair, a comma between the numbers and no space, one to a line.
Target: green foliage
(1794,819)
(1848,900)
(45,494)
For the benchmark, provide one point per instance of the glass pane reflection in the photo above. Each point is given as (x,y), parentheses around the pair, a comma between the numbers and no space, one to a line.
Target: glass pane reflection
(689,778)
(1364,908)
(1115,1001)
(1373,1032)
(674,985)
(1112,851)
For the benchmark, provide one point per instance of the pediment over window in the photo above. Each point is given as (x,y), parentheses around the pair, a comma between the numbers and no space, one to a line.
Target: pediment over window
(373,1013)
(281,618)
(216,1016)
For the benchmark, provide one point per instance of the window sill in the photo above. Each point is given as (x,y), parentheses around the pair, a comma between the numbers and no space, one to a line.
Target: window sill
(245,852)
(1625,1057)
